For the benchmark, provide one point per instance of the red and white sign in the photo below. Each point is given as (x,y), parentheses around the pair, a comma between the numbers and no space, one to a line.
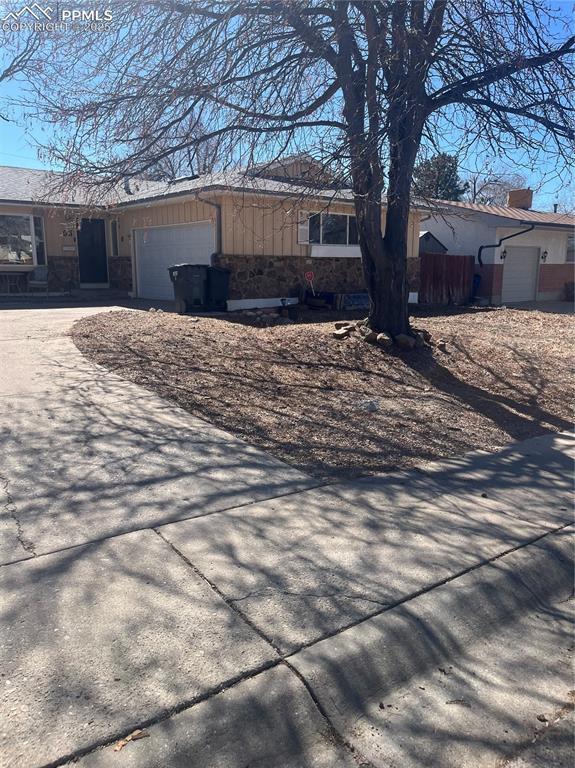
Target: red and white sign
(309,277)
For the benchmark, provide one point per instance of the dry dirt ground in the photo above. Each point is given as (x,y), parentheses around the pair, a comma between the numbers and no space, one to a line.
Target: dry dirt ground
(345,408)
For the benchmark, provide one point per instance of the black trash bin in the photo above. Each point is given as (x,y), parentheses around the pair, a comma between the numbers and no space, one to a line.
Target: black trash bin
(190,286)
(218,289)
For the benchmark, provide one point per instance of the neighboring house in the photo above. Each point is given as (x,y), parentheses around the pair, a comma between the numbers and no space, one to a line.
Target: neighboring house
(269,227)
(520,254)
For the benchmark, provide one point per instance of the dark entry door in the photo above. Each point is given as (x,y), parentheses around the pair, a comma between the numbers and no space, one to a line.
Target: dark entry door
(92,251)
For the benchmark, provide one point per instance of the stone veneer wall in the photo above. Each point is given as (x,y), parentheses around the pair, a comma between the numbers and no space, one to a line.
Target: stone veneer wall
(272,276)
(120,273)
(63,273)
(13,282)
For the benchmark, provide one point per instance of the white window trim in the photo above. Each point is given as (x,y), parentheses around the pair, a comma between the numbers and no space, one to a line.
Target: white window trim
(329,251)
(303,225)
(13,264)
(303,218)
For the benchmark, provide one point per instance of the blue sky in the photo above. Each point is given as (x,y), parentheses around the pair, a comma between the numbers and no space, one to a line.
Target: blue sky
(20,140)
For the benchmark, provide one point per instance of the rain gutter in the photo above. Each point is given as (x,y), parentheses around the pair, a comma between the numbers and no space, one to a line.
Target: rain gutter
(497,245)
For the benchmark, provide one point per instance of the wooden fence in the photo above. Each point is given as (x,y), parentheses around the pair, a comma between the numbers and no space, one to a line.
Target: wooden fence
(445,279)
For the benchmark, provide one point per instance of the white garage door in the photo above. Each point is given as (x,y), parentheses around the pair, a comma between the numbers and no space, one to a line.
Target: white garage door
(520,270)
(158,248)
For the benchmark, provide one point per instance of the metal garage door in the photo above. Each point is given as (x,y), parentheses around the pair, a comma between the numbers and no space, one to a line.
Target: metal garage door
(520,270)
(158,248)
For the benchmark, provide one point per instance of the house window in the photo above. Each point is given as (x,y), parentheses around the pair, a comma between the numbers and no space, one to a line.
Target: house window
(40,240)
(315,228)
(329,229)
(570,248)
(333,229)
(16,240)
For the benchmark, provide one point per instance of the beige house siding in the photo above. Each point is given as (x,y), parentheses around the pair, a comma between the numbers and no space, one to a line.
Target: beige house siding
(257,226)
(262,226)
(259,242)
(260,247)
(252,225)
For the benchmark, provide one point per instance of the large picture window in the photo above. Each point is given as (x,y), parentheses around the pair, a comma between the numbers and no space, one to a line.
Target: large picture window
(22,240)
(16,240)
(332,229)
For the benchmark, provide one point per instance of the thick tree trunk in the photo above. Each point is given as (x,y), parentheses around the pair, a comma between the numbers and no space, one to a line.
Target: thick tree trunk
(385,257)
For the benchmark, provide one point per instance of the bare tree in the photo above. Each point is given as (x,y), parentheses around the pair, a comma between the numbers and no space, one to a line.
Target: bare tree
(491,188)
(363,84)
(565,201)
(193,159)
(16,60)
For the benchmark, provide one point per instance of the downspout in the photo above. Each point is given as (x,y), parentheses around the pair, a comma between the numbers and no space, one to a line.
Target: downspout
(218,208)
(497,245)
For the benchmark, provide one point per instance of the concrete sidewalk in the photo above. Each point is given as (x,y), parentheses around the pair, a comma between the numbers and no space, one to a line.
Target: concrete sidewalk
(271,634)
(405,619)
(469,674)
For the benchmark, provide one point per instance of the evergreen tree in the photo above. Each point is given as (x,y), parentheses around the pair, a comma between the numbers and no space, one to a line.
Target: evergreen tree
(438,178)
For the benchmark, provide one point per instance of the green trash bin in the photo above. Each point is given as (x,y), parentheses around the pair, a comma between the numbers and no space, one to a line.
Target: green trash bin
(218,289)
(190,283)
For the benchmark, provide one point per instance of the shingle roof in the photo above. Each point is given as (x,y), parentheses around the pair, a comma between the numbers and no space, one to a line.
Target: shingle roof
(226,180)
(25,185)
(517,214)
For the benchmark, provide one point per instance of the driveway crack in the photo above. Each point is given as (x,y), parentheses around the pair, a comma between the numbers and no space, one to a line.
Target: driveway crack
(11,510)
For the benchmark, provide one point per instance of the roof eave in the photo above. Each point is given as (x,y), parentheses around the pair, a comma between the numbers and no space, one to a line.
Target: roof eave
(547,224)
(231,188)
(38,203)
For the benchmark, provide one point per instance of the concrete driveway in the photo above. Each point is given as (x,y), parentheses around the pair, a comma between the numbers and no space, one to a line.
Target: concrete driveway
(159,575)
(86,455)
(551,307)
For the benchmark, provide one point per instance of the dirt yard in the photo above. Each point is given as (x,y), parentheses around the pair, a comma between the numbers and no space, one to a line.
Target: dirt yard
(344,408)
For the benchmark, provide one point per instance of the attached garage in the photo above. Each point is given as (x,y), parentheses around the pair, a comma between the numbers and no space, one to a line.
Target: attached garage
(157,248)
(520,272)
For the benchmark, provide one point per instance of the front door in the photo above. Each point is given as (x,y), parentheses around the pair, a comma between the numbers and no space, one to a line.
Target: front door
(92,252)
